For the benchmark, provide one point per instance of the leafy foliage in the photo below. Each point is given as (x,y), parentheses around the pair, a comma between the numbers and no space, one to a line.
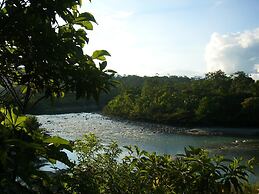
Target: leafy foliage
(217,99)
(24,150)
(41,51)
(102,169)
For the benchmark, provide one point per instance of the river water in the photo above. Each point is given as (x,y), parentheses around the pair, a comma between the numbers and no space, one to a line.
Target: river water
(152,137)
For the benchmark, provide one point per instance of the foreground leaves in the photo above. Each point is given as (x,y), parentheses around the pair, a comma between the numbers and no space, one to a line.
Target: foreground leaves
(102,169)
(24,150)
(40,54)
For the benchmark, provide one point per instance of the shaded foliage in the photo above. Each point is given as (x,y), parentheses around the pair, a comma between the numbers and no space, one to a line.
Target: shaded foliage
(24,150)
(41,51)
(102,169)
(216,99)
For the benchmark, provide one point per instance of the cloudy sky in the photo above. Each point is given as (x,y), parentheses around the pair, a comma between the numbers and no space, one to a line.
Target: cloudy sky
(177,37)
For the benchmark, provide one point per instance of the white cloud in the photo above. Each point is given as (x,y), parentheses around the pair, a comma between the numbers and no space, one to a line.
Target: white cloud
(233,52)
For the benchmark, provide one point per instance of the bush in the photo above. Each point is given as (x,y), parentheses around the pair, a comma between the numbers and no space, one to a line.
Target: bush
(24,149)
(103,169)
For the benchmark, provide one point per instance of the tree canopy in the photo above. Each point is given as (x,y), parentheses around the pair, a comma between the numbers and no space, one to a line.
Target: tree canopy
(41,51)
(216,99)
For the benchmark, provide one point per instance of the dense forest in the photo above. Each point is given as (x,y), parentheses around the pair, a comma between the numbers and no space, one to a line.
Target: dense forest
(216,99)
(69,104)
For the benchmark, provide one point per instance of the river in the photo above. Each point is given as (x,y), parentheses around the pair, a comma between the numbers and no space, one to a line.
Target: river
(154,137)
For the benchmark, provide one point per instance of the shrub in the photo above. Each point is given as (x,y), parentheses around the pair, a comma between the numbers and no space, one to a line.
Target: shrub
(104,169)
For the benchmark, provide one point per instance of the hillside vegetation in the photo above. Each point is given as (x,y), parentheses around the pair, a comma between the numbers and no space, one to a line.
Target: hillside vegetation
(217,99)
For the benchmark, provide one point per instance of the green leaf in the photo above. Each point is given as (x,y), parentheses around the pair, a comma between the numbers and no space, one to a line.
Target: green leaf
(4,10)
(57,140)
(103,65)
(86,24)
(100,54)
(86,16)
(24,89)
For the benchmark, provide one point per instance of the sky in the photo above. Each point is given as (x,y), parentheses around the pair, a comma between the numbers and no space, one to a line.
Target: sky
(176,37)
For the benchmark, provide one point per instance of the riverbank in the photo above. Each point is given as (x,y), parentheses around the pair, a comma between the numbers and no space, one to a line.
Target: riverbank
(73,126)
(199,130)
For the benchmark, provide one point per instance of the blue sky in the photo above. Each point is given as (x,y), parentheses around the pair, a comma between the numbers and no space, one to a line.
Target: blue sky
(182,37)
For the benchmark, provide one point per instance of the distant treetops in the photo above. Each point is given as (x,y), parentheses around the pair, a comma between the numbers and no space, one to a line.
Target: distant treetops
(216,99)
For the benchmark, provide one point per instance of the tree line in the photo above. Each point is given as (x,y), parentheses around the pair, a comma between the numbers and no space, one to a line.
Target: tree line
(217,99)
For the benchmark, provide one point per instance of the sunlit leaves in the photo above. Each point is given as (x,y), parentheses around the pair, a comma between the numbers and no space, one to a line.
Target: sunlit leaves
(11,118)
(56,140)
(41,52)
(100,54)
(87,25)
(84,20)
(47,49)
(24,150)
(142,172)
(85,17)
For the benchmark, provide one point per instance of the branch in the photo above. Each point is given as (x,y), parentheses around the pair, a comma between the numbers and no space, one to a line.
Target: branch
(8,86)
(4,90)
(37,101)
(26,98)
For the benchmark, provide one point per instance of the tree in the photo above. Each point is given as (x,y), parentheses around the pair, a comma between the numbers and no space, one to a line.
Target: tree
(250,110)
(41,51)
(218,82)
(241,83)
